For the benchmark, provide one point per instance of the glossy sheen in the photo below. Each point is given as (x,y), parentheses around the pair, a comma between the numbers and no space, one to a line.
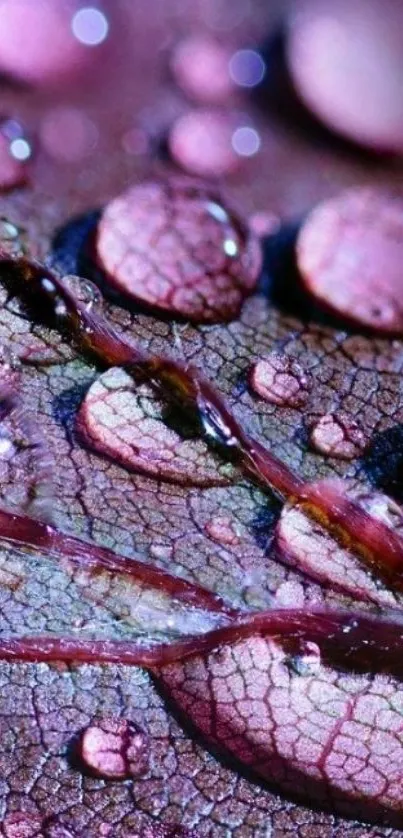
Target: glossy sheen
(346,61)
(303,543)
(125,421)
(114,748)
(280,379)
(350,252)
(337,435)
(174,246)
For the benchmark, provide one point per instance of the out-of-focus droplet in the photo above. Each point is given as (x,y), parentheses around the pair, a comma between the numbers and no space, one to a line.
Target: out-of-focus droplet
(37,44)
(68,134)
(247,68)
(90,26)
(114,749)
(246,141)
(338,435)
(200,67)
(346,61)
(280,379)
(349,254)
(200,142)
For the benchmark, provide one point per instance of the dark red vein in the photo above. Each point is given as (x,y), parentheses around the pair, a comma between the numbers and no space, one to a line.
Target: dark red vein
(348,522)
(27,533)
(355,641)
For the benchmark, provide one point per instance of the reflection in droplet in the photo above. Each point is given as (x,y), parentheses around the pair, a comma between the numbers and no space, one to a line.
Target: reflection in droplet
(247,68)
(90,26)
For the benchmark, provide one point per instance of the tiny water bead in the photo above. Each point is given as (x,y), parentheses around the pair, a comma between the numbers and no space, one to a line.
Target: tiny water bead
(349,253)
(338,435)
(114,749)
(200,142)
(175,246)
(200,67)
(280,379)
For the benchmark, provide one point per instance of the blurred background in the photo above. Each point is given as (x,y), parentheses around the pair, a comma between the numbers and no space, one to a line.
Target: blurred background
(283,101)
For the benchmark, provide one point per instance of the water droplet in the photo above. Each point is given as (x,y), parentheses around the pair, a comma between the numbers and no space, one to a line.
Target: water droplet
(338,435)
(113,748)
(13,240)
(20,149)
(206,261)
(279,379)
(127,422)
(200,142)
(307,661)
(349,253)
(200,67)
(84,291)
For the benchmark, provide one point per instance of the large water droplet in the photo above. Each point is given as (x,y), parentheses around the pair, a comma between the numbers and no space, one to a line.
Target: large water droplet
(174,245)
(127,422)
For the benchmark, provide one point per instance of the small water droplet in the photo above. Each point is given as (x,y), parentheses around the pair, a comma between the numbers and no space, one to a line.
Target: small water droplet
(338,435)
(113,748)
(279,379)
(196,278)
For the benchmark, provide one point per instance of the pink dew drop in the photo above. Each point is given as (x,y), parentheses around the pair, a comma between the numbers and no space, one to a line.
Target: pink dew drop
(114,749)
(200,66)
(280,379)
(200,142)
(338,435)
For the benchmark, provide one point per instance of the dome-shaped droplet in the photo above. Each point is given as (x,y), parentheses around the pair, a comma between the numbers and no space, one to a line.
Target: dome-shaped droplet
(175,246)
(113,748)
